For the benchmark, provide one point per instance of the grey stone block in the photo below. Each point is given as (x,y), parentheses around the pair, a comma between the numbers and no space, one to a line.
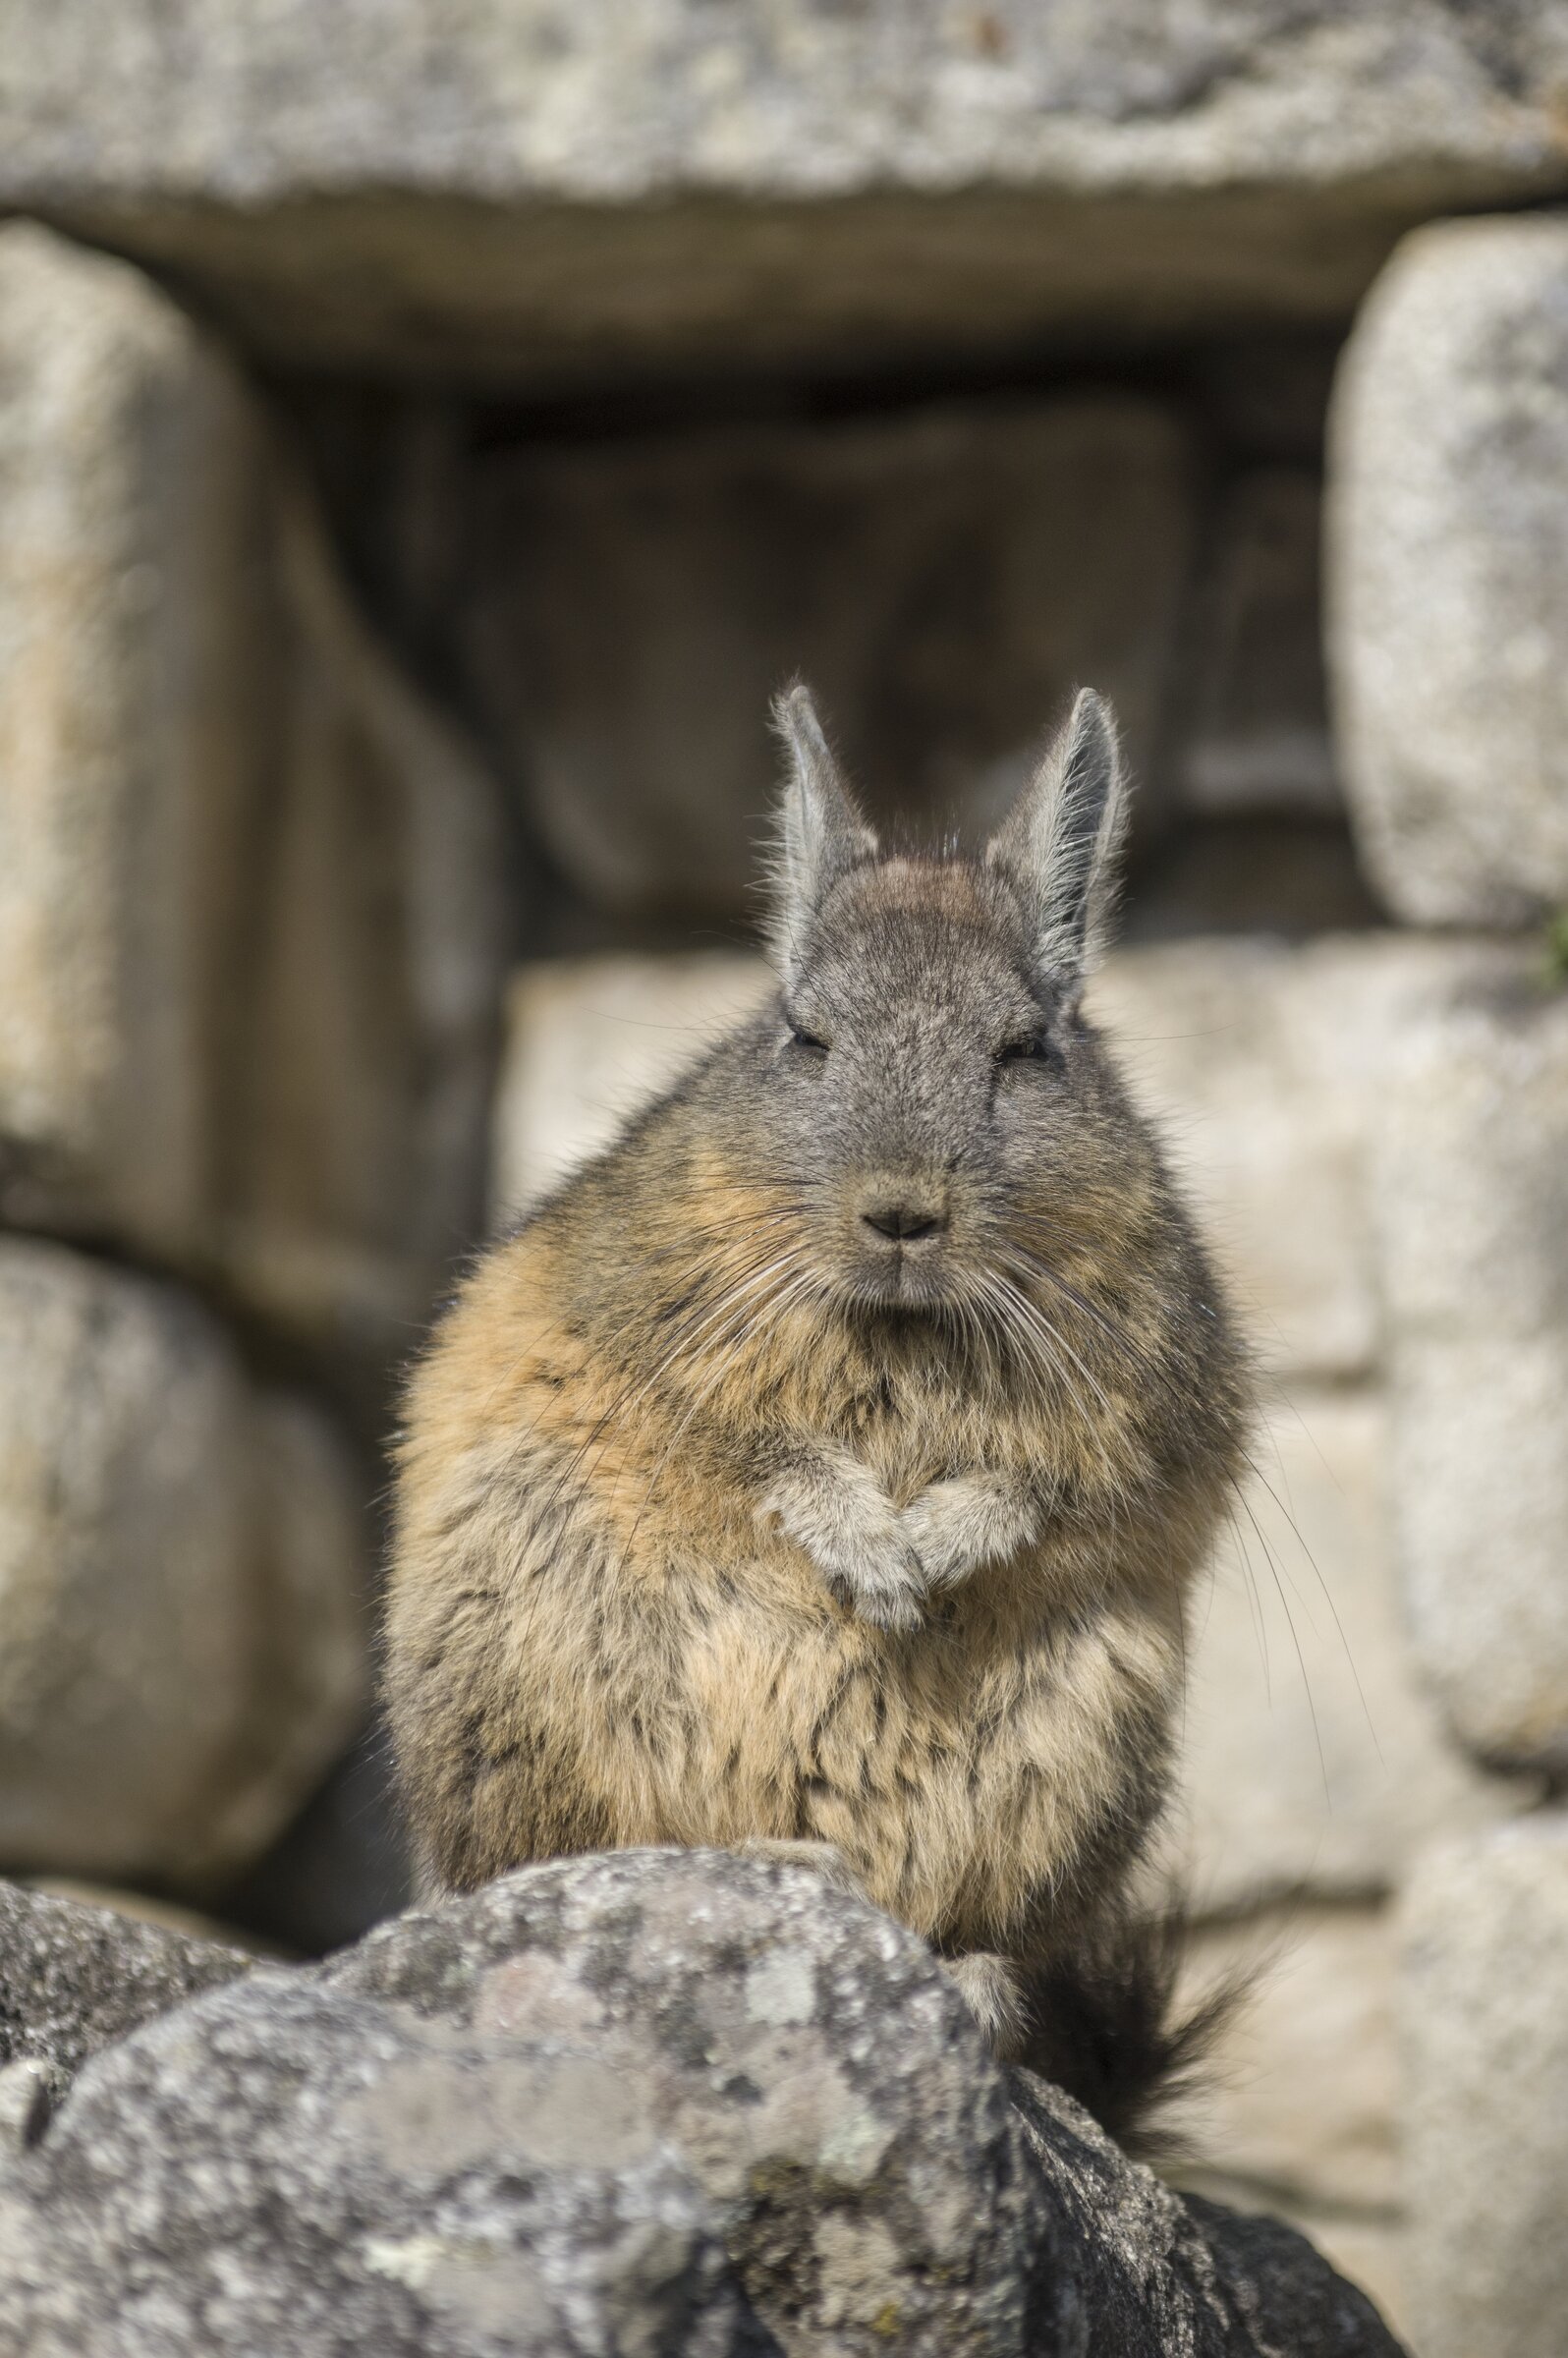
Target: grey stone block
(129,458)
(1481,1469)
(1301,2100)
(249,892)
(183,1563)
(543,191)
(1448,573)
(1472,1157)
(1298,2110)
(1258,1059)
(76,1979)
(1484,2009)
(1315,1758)
(589,1041)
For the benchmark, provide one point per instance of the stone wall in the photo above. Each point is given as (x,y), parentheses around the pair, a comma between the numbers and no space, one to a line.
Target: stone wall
(397,552)
(251,928)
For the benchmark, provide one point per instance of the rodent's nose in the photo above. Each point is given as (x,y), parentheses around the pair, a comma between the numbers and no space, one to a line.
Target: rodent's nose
(905,1220)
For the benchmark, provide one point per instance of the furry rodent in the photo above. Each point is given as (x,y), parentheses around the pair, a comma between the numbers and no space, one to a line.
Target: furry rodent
(829,1462)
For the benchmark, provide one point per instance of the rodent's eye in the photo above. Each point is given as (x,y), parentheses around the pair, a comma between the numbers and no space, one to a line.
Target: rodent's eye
(1034,1050)
(800,1037)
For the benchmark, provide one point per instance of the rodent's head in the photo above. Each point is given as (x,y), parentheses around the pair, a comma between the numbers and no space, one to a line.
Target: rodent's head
(938,1113)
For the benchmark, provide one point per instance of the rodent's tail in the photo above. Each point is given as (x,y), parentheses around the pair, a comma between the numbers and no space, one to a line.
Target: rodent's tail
(1103,2024)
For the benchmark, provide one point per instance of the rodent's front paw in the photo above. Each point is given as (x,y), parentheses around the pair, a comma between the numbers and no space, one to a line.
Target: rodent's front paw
(955,1527)
(882,1583)
(822,1858)
(854,1534)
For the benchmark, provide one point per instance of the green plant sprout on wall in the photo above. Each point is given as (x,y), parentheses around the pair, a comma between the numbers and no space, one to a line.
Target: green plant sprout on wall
(1556,942)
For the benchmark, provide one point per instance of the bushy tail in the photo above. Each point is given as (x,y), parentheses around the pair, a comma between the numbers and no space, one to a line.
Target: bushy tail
(1103,2024)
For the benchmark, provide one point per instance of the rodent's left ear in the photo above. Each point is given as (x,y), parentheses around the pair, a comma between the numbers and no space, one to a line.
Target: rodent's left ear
(1060,842)
(820,833)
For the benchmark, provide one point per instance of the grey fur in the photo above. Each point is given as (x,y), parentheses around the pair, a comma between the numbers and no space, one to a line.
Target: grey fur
(1061,843)
(820,833)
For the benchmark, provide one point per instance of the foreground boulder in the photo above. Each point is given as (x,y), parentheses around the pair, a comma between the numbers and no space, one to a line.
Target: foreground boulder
(75,1979)
(644,2104)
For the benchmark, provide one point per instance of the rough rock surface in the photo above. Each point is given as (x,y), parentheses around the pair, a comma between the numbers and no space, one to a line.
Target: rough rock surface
(1163,2274)
(1448,574)
(1487,2110)
(944,581)
(1473,1202)
(76,1979)
(250,917)
(546,188)
(660,2103)
(354,1124)
(182,1566)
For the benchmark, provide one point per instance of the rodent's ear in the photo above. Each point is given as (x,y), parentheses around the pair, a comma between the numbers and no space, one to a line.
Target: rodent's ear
(820,833)
(1060,842)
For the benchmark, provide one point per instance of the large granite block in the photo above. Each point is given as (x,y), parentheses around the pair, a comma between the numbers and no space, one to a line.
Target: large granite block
(1315,1759)
(1471,1157)
(1448,573)
(535,190)
(1484,2014)
(183,1567)
(251,912)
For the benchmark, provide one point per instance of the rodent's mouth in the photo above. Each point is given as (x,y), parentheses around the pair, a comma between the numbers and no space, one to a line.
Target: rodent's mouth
(908,1282)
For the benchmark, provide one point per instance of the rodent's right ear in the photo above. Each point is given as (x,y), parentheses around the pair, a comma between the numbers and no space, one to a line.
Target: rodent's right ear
(1059,844)
(820,833)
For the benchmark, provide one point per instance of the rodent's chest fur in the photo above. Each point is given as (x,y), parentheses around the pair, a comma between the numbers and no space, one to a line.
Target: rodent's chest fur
(908,1433)
(957,1769)
(616,1650)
